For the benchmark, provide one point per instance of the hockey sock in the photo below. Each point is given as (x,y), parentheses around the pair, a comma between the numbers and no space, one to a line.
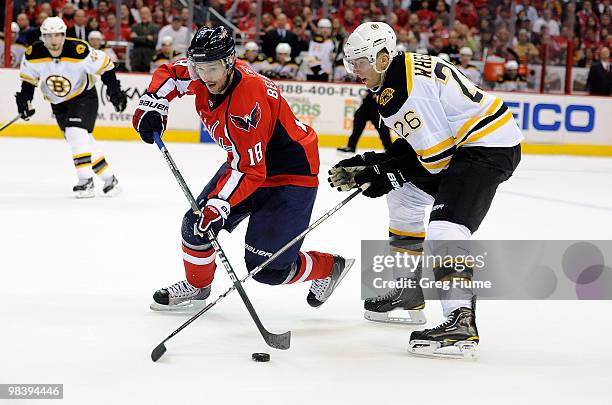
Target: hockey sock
(313,266)
(199,266)
(99,164)
(78,139)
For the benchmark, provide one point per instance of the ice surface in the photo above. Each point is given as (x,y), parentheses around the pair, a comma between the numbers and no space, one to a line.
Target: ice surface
(76,279)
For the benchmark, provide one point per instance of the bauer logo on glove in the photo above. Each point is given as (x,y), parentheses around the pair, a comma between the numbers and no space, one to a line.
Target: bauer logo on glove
(150,116)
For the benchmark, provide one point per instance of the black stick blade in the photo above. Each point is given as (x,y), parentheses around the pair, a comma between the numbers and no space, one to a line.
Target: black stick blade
(282,341)
(158,352)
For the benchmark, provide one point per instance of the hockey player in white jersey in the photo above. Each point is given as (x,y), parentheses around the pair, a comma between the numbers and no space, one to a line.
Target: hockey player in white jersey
(457,144)
(66,70)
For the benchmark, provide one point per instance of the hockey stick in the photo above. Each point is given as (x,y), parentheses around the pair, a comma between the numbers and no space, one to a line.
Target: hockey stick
(161,348)
(278,341)
(10,122)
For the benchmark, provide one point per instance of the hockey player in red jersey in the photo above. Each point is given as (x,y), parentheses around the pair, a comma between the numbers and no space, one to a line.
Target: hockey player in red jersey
(270,174)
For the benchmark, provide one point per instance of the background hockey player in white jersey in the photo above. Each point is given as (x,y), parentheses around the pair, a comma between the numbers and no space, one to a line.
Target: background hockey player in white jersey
(457,144)
(319,62)
(65,69)
(17,50)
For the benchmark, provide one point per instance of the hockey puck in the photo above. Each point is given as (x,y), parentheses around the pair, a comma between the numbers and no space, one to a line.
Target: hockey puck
(260,357)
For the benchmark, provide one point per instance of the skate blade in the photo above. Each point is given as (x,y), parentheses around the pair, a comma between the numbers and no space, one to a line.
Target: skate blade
(398,316)
(345,154)
(85,194)
(460,350)
(186,307)
(113,191)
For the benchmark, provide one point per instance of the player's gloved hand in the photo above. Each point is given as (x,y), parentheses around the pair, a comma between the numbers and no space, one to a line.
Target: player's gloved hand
(117,97)
(24,106)
(150,116)
(382,177)
(342,175)
(213,217)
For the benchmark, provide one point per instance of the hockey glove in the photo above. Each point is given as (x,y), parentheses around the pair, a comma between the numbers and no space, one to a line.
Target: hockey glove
(150,116)
(117,97)
(213,217)
(382,177)
(24,106)
(342,175)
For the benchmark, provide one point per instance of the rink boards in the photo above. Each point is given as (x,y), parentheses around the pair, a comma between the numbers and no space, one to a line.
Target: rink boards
(552,124)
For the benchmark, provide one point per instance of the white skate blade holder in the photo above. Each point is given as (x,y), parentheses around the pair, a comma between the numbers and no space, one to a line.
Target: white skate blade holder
(85,193)
(183,307)
(398,316)
(460,350)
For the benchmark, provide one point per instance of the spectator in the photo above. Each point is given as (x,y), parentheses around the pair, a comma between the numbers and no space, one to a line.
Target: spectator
(424,13)
(278,35)
(31,10)
(526,50)
(599,81)
(452,48)
(96,40)
(267,24)
(530,11)
(103,12)
(24,36)
(511,80)
(67,14)
(144,37)
(179,34)
(166,54)
(93,25)
(349,21)
(584,15)
(546,21)
(136,5)
(247,24)
(125,34)
(470,71)
(401,12)
(126,17)
(604,7)
(88,8)
(17,50)
(442,13)
(466,14)
(79,30)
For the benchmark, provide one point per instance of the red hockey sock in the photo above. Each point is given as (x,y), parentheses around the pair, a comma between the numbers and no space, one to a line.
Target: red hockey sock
(313,266)
(199,266)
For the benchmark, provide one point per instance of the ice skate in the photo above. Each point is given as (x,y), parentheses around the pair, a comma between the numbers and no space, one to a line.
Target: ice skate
(320,290)
(457,337)
(84,188)
(346,150)
(111,187)
(180,296)
(401,305)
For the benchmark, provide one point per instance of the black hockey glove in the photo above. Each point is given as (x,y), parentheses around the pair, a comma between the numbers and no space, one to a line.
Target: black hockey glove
(117,97)
(150,116)
(342,175)
(382,177)
(24,106)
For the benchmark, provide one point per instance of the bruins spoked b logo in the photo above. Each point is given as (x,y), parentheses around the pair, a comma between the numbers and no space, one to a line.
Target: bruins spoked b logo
(59,85)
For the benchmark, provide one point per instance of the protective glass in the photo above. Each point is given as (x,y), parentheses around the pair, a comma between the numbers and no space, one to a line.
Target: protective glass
(356,66)
(210,71)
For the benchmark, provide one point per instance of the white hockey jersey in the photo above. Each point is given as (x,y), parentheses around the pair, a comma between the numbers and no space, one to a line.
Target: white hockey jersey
(437,110)
(68,75)
(17,52)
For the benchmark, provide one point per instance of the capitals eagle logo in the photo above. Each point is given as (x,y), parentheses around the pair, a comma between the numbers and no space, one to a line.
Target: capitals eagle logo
(249,120)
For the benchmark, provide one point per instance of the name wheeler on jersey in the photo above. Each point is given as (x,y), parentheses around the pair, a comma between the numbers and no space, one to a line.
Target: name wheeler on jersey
(68,75)
(437,109)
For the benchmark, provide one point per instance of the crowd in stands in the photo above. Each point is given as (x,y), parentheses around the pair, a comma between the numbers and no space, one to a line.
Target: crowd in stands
(313,34)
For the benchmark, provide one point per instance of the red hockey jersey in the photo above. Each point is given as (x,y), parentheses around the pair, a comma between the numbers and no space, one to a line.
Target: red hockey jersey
(266,144)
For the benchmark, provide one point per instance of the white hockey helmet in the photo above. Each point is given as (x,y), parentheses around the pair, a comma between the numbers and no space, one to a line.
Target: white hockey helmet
(95,35)
(14,27)
(251,46)
(367,41)
(283,47)
(324,23)
(52,25)
(512,65)
(466,51)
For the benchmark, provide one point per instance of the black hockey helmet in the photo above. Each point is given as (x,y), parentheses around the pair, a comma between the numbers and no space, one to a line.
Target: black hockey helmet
(211,44)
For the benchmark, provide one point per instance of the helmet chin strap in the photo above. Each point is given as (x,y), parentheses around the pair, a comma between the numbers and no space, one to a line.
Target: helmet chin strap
(382,74)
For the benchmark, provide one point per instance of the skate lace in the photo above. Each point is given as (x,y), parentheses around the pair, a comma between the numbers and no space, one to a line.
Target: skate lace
(318,287)
(181,289)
